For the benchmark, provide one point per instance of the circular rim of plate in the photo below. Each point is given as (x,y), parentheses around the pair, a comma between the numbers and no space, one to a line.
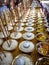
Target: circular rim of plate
(3,35)
(9,49)
(41,34)
(39,50)
(9,28)
(24,35)
(39,59)
(21,24)
(20,29)
(12,34)
(31,21)
(21,55)
(27,24)
(32,29)
(26,50)
(23,21)
(9,57)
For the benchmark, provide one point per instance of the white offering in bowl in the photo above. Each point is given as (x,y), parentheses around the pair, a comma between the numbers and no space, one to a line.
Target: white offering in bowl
(29,35)
(22,59)
(19,29)
(6,58)
(11,45)
(26,46)
(29,29)
(9,27)
(16,35)
(4,35)
(29,24)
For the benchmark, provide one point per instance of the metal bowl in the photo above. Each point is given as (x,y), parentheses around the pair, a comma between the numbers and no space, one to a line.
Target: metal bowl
(45,61)
(22,59)
(43,48)
(41,36)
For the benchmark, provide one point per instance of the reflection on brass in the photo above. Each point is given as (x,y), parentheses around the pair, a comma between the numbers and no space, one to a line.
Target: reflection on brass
(41,37)
(40,30)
